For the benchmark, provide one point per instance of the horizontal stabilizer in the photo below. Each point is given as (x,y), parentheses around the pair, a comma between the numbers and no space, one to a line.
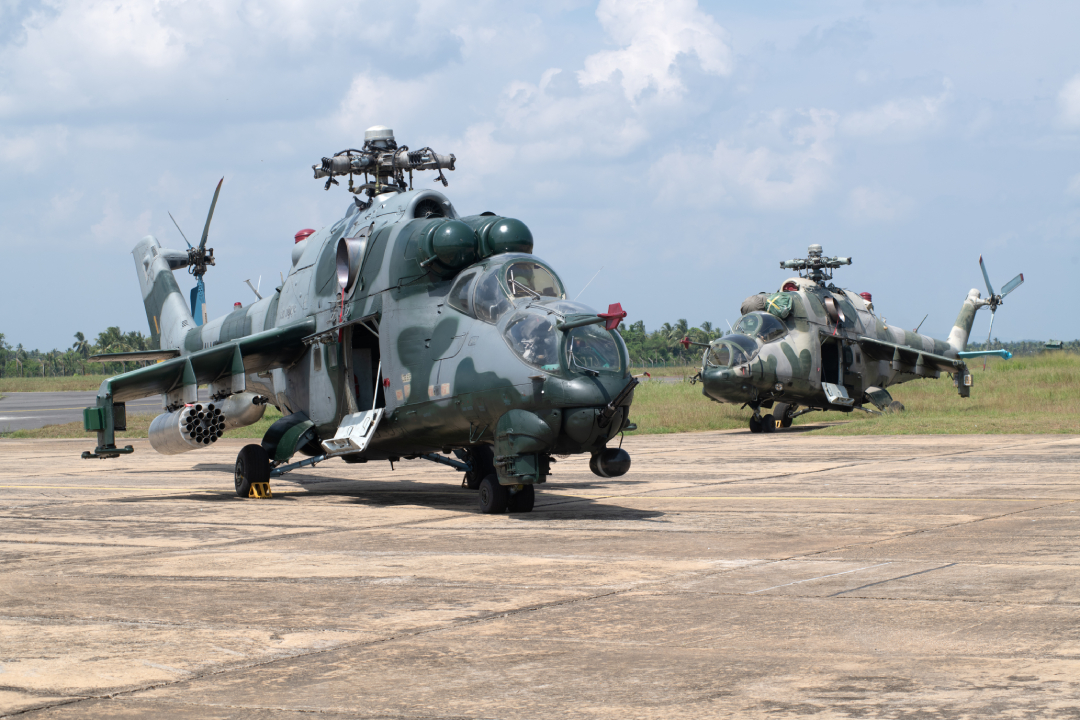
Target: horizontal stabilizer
(136,355)
(1003,354)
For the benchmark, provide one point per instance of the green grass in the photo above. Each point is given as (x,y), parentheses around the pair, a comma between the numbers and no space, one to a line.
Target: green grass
(51,384)
(1037,394)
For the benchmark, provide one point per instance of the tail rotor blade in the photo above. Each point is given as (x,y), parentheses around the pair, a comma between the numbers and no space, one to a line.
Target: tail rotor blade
(1012,284)
(185,236)
(989,287)
(213,204)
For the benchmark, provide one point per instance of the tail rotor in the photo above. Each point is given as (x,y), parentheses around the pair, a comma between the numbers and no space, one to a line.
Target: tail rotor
(198,259)
(994,300)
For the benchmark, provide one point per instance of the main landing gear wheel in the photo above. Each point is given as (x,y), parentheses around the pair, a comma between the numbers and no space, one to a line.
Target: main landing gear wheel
(493,495)
(252,466)
(782,413)
(768,423)
(523,500)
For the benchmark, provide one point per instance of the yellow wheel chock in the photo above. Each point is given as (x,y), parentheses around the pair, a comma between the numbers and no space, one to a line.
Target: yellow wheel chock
(260,490)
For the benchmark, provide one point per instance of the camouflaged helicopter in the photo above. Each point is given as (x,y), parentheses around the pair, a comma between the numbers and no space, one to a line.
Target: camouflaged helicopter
(402,331)
(813,347)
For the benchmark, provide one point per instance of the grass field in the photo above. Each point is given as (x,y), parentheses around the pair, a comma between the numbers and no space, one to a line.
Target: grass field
(1038,394)
(53,384)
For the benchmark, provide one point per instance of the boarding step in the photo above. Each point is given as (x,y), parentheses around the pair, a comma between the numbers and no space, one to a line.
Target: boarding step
(354,433)
(837,395)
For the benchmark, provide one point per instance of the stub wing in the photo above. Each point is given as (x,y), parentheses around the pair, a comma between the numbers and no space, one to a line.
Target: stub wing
(918,362)
(227,363)
(911,360)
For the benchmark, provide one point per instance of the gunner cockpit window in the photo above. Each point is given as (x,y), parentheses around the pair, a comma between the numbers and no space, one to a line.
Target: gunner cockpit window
(762,325)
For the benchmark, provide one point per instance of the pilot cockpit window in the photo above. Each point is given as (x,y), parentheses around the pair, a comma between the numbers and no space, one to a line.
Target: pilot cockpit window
(534,339)
(460,291)
(762,325)
(719,356)
(592,347)
(489,299)
(526,278)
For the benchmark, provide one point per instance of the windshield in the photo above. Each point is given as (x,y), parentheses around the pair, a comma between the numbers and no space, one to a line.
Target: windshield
(534,339)
(761,325)
(521,277)
(593,348)
(731,351)
(489,299)
(460,291)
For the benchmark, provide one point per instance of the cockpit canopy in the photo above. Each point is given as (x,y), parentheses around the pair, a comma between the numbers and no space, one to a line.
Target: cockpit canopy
(732,350)
(532,334)
(761,325)
(488,291)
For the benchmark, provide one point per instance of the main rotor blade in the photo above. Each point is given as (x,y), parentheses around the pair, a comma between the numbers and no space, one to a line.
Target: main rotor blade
(1012,284)
(178,228)
(989,287)
(210,216)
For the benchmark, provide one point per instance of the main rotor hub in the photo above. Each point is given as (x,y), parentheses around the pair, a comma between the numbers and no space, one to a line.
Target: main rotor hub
(815,266)
(382,163)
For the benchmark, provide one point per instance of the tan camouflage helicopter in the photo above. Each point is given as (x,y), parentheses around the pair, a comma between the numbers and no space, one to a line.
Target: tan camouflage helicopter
(813,346)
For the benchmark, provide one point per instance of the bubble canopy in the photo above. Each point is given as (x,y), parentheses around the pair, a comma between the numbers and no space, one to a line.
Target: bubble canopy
(489,291)
(532,333)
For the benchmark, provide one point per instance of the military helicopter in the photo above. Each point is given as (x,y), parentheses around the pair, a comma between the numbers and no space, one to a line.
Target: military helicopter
(404,330)
(813,347)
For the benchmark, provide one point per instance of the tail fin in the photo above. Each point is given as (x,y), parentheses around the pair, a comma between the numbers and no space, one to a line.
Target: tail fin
(958,336)
(166,308)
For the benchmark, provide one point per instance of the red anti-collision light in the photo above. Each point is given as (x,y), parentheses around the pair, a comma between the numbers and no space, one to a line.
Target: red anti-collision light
(614,315)
(237,305)
(790,287)
(304,234)
(866,296)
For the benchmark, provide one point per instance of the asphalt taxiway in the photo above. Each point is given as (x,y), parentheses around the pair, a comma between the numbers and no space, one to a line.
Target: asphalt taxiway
(728,575)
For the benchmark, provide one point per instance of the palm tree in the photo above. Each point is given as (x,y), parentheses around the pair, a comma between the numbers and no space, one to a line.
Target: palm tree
(81,349)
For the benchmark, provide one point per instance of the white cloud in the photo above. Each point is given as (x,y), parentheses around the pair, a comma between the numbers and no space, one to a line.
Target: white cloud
(117,228)
(1069,102)
(898,118)
(868,205)
(373,100)
(771,178)
(652,35)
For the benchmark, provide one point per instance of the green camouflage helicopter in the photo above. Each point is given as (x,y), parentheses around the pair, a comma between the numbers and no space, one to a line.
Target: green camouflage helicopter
(813,346)
(402,331)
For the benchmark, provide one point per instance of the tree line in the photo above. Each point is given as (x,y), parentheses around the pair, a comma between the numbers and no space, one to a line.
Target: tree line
(19,361)
(657,348)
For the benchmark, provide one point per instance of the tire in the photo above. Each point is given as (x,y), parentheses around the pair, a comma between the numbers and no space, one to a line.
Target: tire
(755,425)
(896,406)
(782,413)
(523,500)
(768,423)
(252,466)
(493,496)
(482,458)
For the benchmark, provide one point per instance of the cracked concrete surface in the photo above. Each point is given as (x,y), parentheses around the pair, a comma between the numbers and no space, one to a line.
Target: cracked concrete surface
(726,575)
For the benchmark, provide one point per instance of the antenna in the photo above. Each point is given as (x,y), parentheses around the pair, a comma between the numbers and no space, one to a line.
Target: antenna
(589,283)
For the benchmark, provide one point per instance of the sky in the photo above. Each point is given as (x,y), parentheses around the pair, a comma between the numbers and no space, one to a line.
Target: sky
(675,151)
